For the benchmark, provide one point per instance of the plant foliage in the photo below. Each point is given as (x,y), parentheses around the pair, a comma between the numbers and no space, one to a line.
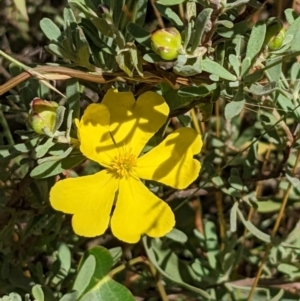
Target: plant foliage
(237,223)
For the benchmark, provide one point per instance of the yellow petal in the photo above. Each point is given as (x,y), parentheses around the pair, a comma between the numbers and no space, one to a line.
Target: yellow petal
(135,122)
(89,198)
(171,162)
(138,211)
(93,131)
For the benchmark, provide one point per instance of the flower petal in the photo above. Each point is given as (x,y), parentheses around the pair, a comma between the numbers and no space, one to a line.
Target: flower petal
(93,131)
(89,198)
(138,211)
(171,162)
(135,122)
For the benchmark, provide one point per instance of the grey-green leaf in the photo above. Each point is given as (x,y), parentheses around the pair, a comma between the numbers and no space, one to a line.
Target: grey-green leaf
(256,40)
(50,29)
(38,293)
(200,25)
(177,235)
(170,2)
(233,108)
(70,296)
(85,275)
(216,69)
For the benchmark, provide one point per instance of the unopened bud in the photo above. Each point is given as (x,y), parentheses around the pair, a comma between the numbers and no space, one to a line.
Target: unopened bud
(42,115)
(274,36)
(166,43)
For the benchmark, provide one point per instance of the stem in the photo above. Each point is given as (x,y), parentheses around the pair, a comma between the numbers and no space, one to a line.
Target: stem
(12,60)
(159,286)
(218,194)
(6,130)
(123,266)
(195,121)
(153,271)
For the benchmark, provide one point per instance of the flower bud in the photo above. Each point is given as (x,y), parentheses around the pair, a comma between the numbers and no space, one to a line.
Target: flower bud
(166,43)
(42,115)
(274,36)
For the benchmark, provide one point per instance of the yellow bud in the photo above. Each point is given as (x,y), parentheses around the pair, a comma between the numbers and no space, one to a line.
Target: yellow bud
(166,43)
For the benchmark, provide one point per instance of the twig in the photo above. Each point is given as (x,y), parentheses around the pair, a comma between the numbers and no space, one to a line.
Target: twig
(157,14)
(182,194)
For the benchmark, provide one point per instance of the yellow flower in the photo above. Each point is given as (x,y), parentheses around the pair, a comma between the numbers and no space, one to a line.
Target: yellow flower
(114,134)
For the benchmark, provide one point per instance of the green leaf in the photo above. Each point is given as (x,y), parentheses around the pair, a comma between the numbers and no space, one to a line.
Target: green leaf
(235,4)
(233,108)
(177,235)
(253,230)
(273,69)
(238,29)
(73,96)
(87,7)
(42,149)
(216,69)
(152,58)
(235,63)
(58,51)
(172,98)
(64,256)
(13,297)
(38,293)
(193,91)
(290,15)
(200,25)
(173,270)
(236,183)
(82,49)
(101,286)
(246,64)
(193,66)
(52,168)
(288,269)
(233,217)
(104,262)
(293,180)
(260,90)
(50,29)
(129,60)
(70,296)
(69,15)
(294,31)
(116,11)
(141,35)
(170,2)
(22,147)
(85,274)
(278,296)
(267,206)
(116,254)
(169,14)
(107,289)
(21,7)
(256,40)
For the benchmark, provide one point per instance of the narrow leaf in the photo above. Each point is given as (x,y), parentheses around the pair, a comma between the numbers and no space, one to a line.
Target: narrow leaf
(216,69)
(256,40)
(85,275)
(200,25)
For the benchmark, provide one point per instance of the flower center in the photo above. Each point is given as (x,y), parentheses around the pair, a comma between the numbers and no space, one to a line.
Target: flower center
(123,164)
